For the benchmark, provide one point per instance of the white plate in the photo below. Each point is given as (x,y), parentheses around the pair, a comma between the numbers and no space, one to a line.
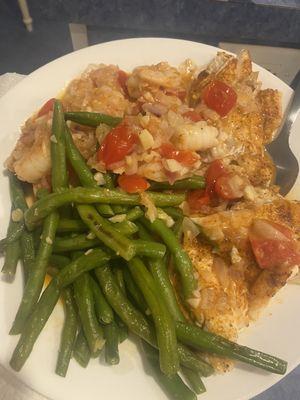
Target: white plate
(277,332)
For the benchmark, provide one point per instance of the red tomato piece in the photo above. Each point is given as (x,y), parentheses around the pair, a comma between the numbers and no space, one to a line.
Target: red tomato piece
(229,187)
(193,116)
(122,79)
(133,183)
(185,157)
(219,97)
(273,245)
(48,106)
(118,143)
(197,199)
(215,171)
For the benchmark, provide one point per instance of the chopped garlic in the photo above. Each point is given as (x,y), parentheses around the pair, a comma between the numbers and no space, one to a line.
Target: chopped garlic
(99,178)
(17,215)
(250,193)
(151,212)
(53,139)
(88,252)
(194,302)
(146,139)
(161,214)
(117,218)
(91,236)
(144,120)
(49,240)
(235,255)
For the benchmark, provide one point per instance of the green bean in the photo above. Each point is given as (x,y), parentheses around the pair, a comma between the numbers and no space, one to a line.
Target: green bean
(177,229)
(181,259)
(125,227)
(143,233)
(133,318)
(110,184)
(105,231)
(212,343)
(104,311)
(81,351)
(136,321)
(149,249)
(92,118)
(111,334)
(85,302)
(15,229)
(173,212)
(134,213)
(135,293)
(34,325)
(86,262)
(14,232)
(158,269)
(120,209)
(28,252)
(36,279)
(79,242)
(122,329)
(164,325)
(37,233)
(109,180)
(194,182)
(192,361)
(194,380)
(118,273)
(43,207)
(84,174)
(12,255)
(69,332)
(71,225)
(49,298)
(16,193)
(59,261)
(173,385)
(59,177)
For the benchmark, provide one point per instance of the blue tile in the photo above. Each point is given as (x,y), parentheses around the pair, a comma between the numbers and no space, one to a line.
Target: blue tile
(239,21)
(22,51)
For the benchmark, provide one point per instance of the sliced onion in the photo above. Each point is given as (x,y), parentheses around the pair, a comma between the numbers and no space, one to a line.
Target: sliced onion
(157,109)
(266,230)
(189,229)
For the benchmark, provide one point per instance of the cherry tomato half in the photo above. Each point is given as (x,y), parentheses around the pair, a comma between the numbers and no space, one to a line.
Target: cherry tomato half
(48,106)
(197,199)
(219,97)
(118,143)
(133,183)
(185,157)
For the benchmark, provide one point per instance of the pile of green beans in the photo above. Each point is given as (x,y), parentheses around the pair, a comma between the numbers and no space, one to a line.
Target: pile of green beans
(113,278)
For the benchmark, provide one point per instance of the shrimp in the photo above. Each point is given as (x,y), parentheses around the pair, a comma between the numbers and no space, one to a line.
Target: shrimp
(30,159)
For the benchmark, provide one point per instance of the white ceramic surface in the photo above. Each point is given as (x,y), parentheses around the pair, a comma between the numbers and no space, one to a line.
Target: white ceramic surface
(277,332)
